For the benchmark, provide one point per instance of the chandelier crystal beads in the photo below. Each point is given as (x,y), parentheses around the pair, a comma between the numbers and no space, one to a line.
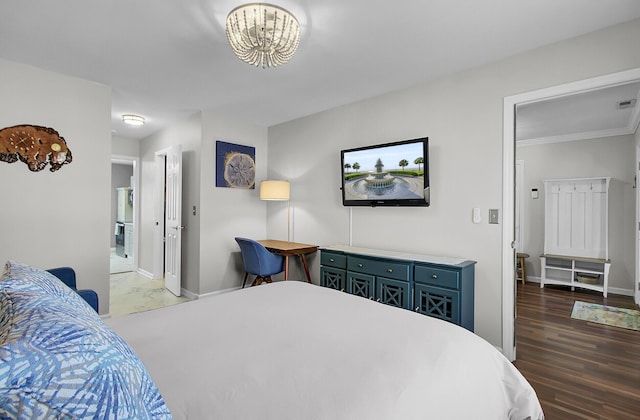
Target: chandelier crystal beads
(263,34)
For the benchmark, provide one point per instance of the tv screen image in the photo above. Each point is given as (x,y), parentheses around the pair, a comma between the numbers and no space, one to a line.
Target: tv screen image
(390,174)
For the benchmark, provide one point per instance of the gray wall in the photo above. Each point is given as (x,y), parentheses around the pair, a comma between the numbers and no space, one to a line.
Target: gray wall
(188,134)
(228,212)
(61,218)
(121,146)
(462,114)
(612,156)
(210,257)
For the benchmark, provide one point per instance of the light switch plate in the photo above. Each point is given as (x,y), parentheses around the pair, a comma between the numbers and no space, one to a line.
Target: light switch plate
(494,216)
(475,215)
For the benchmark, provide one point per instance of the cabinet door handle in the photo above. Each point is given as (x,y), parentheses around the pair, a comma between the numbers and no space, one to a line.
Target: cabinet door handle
(389,270)
(332,260)
(359,265)
(434,276)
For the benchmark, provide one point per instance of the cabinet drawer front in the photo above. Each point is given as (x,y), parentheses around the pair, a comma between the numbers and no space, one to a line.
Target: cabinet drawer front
(438,277)
(332,278)
(362,285)
(385,268)
(437,302)
(332,259)
(394,292)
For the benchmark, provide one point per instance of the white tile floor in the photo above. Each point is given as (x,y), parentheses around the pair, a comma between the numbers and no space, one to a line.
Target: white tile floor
(118,264)
(131,292)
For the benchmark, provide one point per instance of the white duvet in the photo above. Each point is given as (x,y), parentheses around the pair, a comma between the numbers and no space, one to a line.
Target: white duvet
(291,350)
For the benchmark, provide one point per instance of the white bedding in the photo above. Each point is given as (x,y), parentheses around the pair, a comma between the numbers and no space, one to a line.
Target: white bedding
(291,350)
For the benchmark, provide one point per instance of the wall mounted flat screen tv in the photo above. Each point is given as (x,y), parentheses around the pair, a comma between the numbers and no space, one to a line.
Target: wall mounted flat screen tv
(390,174)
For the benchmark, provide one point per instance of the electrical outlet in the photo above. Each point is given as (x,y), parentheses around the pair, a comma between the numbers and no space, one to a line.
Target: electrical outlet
(494,216)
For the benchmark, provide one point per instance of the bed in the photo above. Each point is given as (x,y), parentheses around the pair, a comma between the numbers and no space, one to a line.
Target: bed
(291,350)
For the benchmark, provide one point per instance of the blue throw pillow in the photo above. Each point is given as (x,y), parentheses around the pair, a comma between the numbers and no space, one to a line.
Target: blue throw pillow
(57,362)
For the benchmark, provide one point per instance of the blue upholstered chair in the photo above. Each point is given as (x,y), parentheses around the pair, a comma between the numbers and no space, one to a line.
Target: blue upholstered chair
(68,276)
(258,261)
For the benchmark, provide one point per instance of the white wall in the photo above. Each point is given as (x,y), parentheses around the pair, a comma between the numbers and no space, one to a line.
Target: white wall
(61,218)
(462,116)
(611,156)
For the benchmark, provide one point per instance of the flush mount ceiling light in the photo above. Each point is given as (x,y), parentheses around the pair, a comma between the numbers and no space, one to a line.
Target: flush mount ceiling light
(263,34)
(133,119)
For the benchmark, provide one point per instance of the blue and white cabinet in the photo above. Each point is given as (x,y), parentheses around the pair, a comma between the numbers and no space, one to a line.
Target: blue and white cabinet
(435,286)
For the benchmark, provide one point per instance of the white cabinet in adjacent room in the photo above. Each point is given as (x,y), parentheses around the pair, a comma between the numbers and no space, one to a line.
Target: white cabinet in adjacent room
(576,229)
(128,240)
(125,205)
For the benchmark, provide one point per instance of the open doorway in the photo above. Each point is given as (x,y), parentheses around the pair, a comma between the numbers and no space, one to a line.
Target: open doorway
(124,214)
(136,290)
(509,188)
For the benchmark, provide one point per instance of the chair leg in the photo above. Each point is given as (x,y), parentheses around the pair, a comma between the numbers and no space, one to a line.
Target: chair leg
(244,281)
(267,279)
(257,281)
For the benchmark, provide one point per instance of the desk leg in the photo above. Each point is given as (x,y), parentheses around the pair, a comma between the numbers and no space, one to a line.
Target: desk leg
(286,267)
(306,267)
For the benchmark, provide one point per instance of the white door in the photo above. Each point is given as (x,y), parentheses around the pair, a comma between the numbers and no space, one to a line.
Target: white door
(173,220)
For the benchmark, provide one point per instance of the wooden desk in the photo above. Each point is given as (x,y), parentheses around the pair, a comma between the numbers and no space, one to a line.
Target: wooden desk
(287,249)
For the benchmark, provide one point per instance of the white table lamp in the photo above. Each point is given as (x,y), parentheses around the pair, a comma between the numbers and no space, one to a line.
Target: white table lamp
(277,190)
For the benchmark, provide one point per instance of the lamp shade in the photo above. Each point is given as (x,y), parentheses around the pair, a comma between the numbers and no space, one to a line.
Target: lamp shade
(274,190)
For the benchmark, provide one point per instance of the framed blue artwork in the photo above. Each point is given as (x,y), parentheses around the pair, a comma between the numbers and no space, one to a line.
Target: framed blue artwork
(235,165)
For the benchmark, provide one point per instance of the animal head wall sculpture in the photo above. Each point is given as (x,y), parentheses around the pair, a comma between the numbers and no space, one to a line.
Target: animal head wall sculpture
(34,145)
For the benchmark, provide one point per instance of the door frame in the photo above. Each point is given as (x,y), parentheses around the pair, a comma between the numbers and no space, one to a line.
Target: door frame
(508,185)
(158,212)
(636,285)
(135,161)
(519,200)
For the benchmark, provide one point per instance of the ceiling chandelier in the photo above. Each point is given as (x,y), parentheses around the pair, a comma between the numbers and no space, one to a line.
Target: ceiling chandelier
(263,34)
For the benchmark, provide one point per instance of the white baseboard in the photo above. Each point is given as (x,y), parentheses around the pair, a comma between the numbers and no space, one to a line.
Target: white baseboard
(145,273)
(188,294)
(613,290)
(217,292)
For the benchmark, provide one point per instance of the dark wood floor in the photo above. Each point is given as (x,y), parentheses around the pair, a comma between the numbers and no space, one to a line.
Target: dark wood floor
(580,370)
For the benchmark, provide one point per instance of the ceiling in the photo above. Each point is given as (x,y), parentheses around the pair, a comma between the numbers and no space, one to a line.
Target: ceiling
(166,60)
(604,112)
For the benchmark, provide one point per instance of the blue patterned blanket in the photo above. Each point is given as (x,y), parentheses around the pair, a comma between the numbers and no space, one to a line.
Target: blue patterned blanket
(59,360)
